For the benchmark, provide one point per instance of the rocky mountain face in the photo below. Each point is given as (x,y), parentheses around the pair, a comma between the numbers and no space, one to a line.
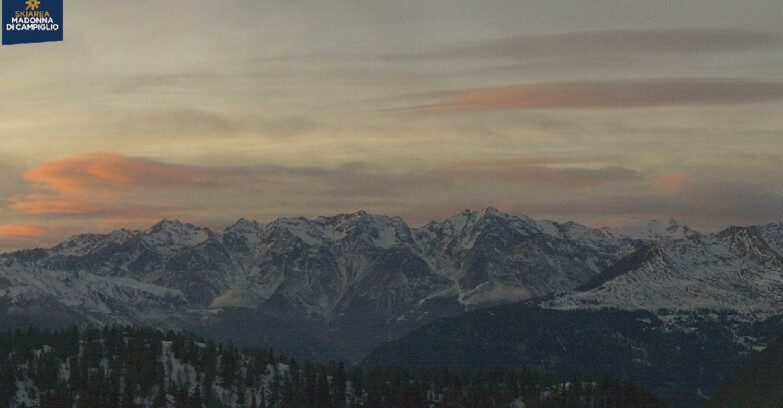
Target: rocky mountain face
(344,283)
(498,258)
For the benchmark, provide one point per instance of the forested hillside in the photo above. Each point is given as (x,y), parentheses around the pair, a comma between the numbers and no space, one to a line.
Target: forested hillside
(759,384)
(680,367)
(143,368)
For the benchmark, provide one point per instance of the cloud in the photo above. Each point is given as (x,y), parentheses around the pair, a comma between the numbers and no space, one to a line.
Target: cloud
(114,222)
(229,298)
(118,191)
(736,201)
(624,94)
(21,230)
(180,80)
(98,205)
(107,185)
(12,181)
(175,123)
(710,204)
(671,184)
(97,183)
(520,172)
(595,45)
(48,204)
(111,186)
(108,191)
(101,171)
(188,123)
(621,42)
(14,236)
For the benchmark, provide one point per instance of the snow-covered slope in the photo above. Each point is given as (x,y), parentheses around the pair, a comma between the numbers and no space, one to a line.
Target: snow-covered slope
(496,257)
(739,269)
(653,229)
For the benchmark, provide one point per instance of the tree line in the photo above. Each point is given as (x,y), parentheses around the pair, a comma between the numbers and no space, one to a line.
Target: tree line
(124,367)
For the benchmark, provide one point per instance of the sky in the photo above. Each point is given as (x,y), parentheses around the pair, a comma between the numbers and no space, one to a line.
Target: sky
(604,112)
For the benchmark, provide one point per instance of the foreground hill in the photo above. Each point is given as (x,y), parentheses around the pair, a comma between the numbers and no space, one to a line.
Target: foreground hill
(758,384)
(682,366)
(141,368)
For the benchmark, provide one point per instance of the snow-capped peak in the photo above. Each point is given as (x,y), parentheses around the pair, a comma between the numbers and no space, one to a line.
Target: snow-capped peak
(86,243)
(655,229)
(243,225)
(490,210)
(167,223)
(173,233)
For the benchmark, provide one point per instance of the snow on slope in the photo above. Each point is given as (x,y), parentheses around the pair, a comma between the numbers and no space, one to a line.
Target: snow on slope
(653,229)
(500,258)
(740,269)
(361,263)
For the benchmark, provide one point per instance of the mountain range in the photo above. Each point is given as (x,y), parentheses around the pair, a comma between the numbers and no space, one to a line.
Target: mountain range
(321,282)
(339,287)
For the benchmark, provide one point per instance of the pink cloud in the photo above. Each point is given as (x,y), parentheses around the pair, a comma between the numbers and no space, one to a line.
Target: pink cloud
(101,171)
(21,231)
(608,95)
(41,204)
(671,184)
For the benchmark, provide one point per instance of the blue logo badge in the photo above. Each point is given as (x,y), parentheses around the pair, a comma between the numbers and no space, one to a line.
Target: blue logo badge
(32,21)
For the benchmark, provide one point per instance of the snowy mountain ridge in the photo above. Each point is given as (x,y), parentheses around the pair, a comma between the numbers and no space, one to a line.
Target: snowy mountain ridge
(373,277)
(354,270)
(739,269)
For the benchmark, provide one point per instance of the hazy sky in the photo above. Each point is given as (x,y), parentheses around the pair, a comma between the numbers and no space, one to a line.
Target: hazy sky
(602,112)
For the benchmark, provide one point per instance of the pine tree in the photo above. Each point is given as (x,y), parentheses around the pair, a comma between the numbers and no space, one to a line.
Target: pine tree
(7,383)
(338,385)
(310,383)
(159,401)
(322,397)
(240,394)
(195,400)
(228,363)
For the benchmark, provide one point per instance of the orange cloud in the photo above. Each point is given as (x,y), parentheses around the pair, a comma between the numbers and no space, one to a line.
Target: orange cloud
(100,171)
(46,204)
(40,204)
(140,221)
(20,230)
(609,95)
(671,184)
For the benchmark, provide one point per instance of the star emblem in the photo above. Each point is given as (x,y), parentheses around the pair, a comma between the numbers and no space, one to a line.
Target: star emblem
(32,4)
